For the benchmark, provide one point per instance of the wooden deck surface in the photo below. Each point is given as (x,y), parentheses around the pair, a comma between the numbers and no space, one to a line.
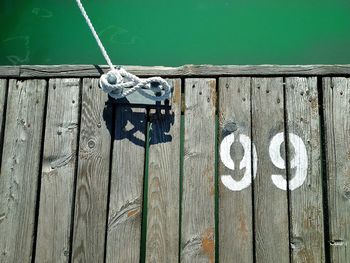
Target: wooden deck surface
(204,179)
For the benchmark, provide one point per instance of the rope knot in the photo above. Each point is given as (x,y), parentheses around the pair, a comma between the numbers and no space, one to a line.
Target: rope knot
(119,83)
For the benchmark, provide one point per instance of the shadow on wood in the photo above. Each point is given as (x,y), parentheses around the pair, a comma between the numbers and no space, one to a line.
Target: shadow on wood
(161,119)
(131,122)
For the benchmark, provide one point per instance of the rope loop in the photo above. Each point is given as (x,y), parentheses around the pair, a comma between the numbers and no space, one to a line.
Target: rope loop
(119,83)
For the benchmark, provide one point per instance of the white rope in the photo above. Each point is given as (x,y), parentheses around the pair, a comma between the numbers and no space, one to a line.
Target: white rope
(93,31)
(119,83)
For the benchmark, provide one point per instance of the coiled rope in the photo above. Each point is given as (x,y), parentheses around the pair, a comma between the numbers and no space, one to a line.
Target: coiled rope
(119,83)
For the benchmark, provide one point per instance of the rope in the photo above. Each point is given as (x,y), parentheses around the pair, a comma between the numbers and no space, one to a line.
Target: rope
(93,31)
(119,83)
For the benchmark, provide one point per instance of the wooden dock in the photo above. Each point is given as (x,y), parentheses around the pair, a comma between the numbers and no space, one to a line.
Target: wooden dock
(204,179)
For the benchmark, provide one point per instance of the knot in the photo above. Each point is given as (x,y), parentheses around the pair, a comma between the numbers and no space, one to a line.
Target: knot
(119,83)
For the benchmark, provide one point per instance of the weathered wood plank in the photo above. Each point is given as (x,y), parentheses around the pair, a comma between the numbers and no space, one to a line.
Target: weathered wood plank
(162,244)
(235,196)
(337,124)
(126,190)
(270,203)
(186,70)
(305,177)
(198,218)
(93,175)
(3,90)
(91,70)
(58,171)
(9,71)
(20,168)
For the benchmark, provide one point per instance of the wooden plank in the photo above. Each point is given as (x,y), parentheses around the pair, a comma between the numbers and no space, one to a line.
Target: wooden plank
(198,219)
(337,124)
(3,91)
(162,244)
(31,71)
(235,196)
(91,196)
(58,171)
(9,71)
(270,203)
(20,168)
(305,177)
(125,206)
(91,70)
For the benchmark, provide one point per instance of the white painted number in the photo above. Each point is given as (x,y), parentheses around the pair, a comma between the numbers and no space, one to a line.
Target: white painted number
(299,161)
(225,148)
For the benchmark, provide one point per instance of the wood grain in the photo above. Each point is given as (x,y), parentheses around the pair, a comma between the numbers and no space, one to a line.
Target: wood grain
(20,168)
(198,220)
(93,175)
(336,96)
(270,203)
(162,244)
(9,71)
(305,202)
(58,171)
(126,190)
(235,207)
(35,71)
(253,223)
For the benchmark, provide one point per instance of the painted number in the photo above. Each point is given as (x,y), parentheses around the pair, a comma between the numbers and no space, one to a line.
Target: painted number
(299,162)
(225,147)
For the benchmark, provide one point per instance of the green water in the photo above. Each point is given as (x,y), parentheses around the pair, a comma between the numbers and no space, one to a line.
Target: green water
(173,33)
